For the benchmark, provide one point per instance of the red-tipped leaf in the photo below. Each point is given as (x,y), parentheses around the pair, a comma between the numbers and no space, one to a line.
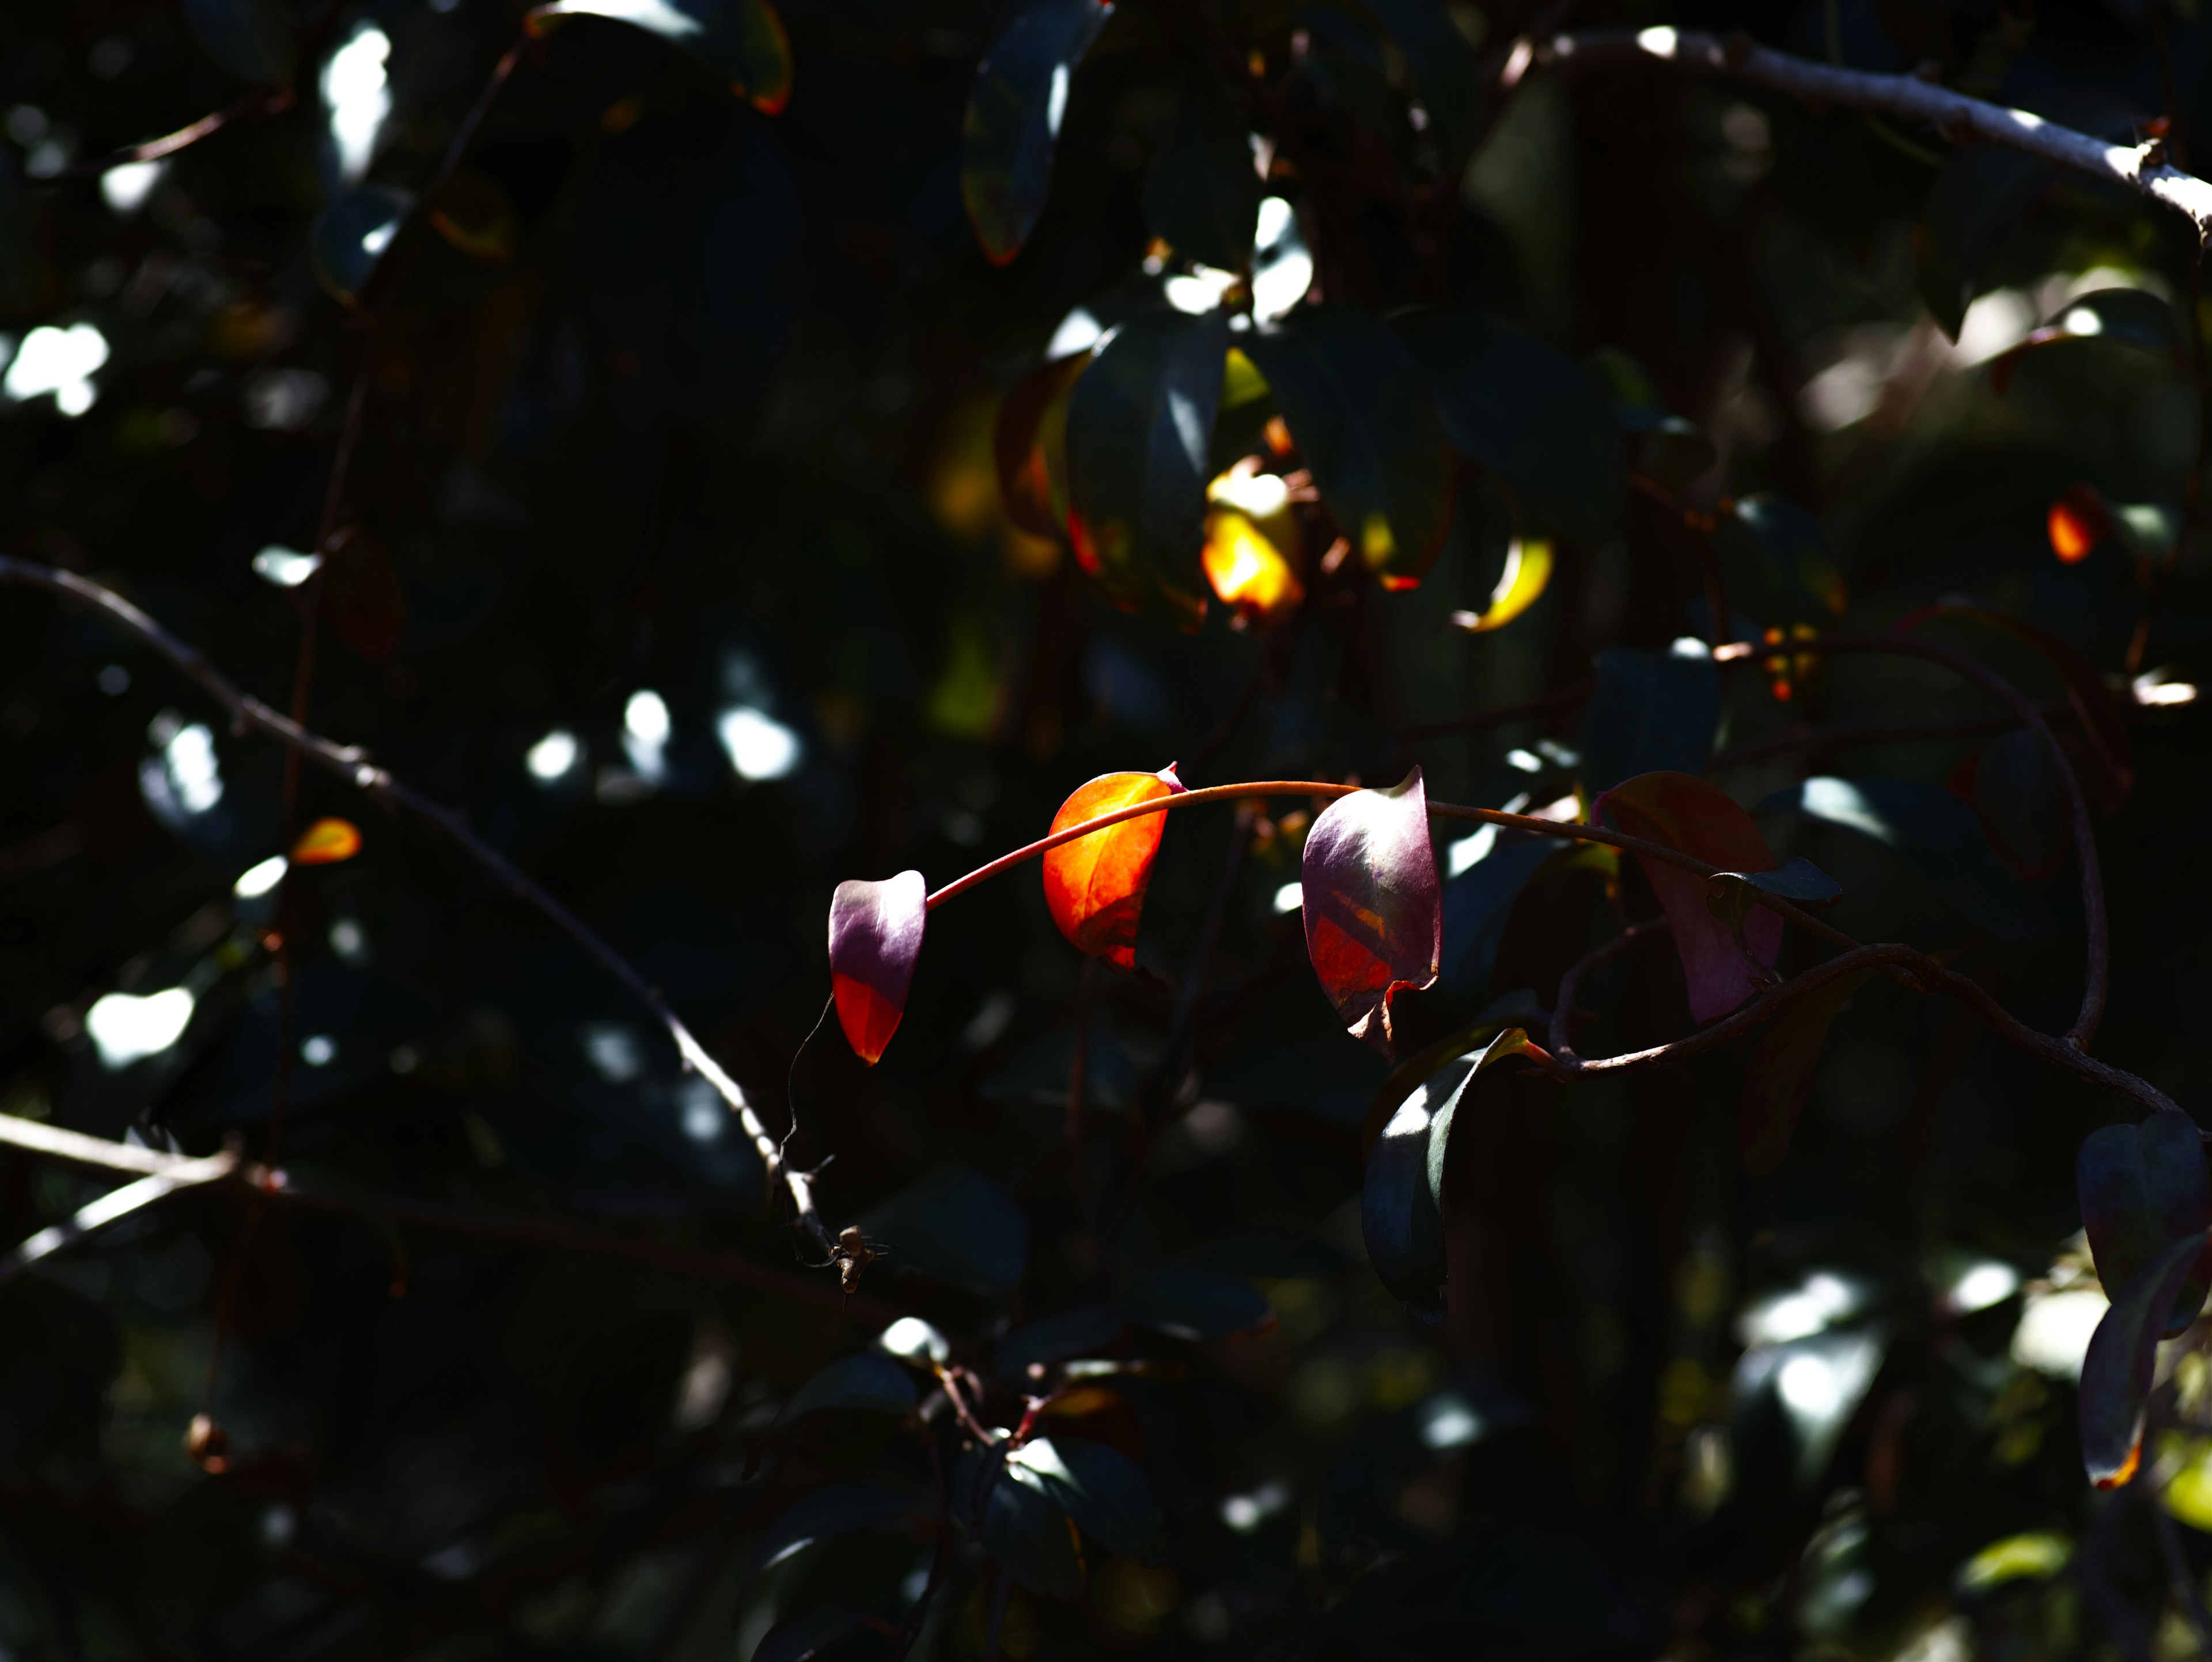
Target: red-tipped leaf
(1096,884)
(1374,907)
(875,935)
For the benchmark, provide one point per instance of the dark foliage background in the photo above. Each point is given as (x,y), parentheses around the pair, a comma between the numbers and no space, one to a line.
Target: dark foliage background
(690,400)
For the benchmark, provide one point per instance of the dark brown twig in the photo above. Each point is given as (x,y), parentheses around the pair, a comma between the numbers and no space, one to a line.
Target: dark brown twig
(261,101)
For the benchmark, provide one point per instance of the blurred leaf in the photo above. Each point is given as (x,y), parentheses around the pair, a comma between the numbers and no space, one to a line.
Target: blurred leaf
(1095,886)
(915,1341)
(1029,445)
(741,42)
(1780,1075)
(1785,550)
(1801,1394)
(1444,70)
(1521,584)
(1402,1199)
(840,1509)
(2036,1557)
(2080,520)
(1373,908)
(1652,712)
(2021,803)
(1352,396)
(351,235)
(2116,1375)
(1105,1492)
(1083,1330)
(959,1226)
(1022,1529)
(1140,427)
(865,1380)
(875,938)
(1724,963)
(1190,1301)
(1529,414)
(1204,197)
(1013,118)
(1934,834)
(361,596)
(251,39)
(2142,1187)
(804,1637)
(1981,194)
(477,216)
(1247,560)
(326,842)
(2125,317)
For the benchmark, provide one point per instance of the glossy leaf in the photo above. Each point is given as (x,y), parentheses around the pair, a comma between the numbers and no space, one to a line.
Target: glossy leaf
(1981,195)
(1724,962)
(326,842)
(2122,1357)
(875,936)
(1095,885)
(1204,197)
(867,1379)
(1444,71)
(1025,1531)
(2142,1187)
(1933,834)
(742,42)
(352,235)
(1356,407)
(959,1226)
(1780,1075)
(1529,414)
(1652,712)
(1372,903)
(803,1638)
(1139,432)
(840,1509)
(1029,443)
(2021,803)
(1401,1198)
(251,39)
(1191,1301)
(1519,586)
(915,1341)
(2121,317)
(1798,879)
(1084,1330)
(361,597)
(1105,1492)
(1013,118)
(1511,1009)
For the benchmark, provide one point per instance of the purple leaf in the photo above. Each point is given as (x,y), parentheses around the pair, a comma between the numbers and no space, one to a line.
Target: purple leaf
(875,935)
(1374,908)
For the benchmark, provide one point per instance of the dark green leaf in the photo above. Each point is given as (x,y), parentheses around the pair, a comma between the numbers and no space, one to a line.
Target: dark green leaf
(1105,1492)
(1780,1075)
(251,39)
(804,1637)
(1204,197)
(1798,879)
(1526,413)
(2141,1187)
(352,235)
(1981,194)
(1013,118)
(1444,70)
(839,1509)
(867,1379)
(1479,899)
(1653,712)
(1932,833)
(1081,1331)
(1027,1532)
(741,42)
(2116,1374)
(1023,441)
(959,1226)
(1139,426)
(1353,398)
(2122,317)
(2022,804)
(1189,1301)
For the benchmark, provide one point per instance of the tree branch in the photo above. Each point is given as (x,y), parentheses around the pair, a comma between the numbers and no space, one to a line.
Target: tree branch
(118,1204)
(2141,168)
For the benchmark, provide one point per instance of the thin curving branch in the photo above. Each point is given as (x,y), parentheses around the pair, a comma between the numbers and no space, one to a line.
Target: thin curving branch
(261,101)
(178,1174)
(351,763)
(2142,168)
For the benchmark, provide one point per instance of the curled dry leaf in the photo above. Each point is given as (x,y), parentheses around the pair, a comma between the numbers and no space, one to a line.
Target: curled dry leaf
(1096,884)
(875,935)
(326,842)
(1373,904)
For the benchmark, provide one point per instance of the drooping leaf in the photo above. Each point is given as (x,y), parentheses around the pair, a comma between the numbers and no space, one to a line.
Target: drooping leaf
(1981,194)
(326,842)
(1529,414)
(1204,197)
(362,596)
(1780,1075)
(1083,1330)
(1652,712)
(2021,803)
(1139,432)
(959,1226)
(803,1638)
(1013,118)
(867,1379)
(742,42)
(1785,555)
(352,234)
(1508,1010)
(1352,396)
(1521,584)
(1401,1198)
(1444,70)
(1105,1492)
(1373,906)
(1932,833)
(1095,885)
(1724,962)
(2123,1356)
(2142,1187)
(1029,445)
(875,936)
(1191,1301)
(251,39)
(840,1509)
(2122,317)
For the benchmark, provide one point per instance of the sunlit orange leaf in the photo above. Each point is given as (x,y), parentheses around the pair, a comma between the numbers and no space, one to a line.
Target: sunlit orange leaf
(1251,542)
(1373,905)
(325,842)
(2078,522)
(1096,884)
(875,936)
(1527,571)
(1688,815)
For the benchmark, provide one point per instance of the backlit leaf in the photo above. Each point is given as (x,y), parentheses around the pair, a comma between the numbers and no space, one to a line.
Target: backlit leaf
(352,234)
(1013,118)
(742,42)
(1095,885)
(1652,712)
(1373,905)
(326,842)
(1193,1301)
(1780,1075)
(360,594)
(2121,317)
(2116,1374)
(251,38)
(2141,1187)
(1104,1491)
(1352,396)
(1519,586)
(875,936)
(2022,802)
(1029,445)
(840,1509)
(1204,197)
(1246,569)
(1723,964)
